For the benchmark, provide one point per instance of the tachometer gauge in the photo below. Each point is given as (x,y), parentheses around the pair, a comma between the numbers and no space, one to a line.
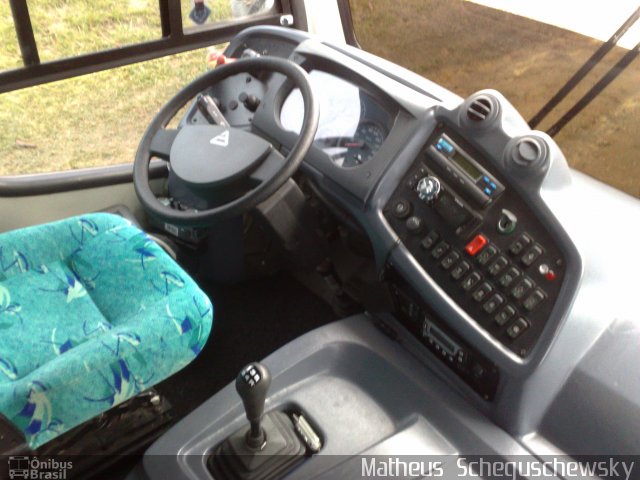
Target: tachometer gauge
(360,148)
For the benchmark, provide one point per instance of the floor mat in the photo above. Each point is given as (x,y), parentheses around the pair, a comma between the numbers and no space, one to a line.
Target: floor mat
(251,321)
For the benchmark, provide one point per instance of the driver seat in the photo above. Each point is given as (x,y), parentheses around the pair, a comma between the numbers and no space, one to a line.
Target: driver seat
(92,312)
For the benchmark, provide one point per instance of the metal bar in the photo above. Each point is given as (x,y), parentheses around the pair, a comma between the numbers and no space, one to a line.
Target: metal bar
(95,62)
(299,11)
(70,180)
(175,18)
(286,8)
(164,18)
(344,7)
(24,32)
(584,70)
(608,77)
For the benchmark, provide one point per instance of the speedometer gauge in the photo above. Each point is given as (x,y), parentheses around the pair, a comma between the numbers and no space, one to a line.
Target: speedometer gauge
(360,148)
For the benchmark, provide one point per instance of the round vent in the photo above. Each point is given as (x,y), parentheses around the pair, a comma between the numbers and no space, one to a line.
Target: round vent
(529,152)
(480,109)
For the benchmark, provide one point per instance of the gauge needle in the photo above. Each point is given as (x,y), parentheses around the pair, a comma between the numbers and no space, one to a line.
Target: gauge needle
(344,142)
(352,144)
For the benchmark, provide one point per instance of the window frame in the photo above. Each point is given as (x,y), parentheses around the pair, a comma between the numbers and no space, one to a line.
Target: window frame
(174,39)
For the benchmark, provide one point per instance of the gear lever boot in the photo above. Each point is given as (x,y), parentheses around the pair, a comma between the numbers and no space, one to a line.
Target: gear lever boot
(268,447)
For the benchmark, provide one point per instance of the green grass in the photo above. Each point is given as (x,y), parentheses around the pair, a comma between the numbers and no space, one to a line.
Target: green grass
(96,119)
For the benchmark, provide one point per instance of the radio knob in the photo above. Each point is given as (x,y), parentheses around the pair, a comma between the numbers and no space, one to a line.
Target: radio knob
(414,225)
(428,189)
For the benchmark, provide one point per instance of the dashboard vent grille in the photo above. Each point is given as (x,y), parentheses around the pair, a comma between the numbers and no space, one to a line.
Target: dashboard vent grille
(480,109)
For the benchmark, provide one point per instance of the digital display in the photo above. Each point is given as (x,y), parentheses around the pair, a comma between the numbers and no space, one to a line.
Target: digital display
(441,338)
(470,169)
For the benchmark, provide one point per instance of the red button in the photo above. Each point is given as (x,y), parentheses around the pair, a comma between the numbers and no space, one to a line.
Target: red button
(475,245)
(550,275)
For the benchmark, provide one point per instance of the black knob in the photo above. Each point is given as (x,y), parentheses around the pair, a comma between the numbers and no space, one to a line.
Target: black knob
(414,224)
(250,101)
(252,385)
(402,209)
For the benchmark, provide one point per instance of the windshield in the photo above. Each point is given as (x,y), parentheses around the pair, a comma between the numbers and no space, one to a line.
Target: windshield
(528,50)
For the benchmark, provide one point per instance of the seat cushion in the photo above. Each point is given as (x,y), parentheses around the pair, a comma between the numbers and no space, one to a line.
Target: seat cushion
(92,312)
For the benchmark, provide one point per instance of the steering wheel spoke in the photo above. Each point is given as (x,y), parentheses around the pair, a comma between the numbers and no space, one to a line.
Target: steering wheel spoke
(269,167)
(162,142)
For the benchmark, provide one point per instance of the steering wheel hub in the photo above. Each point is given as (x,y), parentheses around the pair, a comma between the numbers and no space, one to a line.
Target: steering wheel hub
(212,156)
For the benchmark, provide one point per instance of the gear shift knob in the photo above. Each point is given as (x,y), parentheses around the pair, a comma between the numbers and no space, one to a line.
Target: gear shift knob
(252,385)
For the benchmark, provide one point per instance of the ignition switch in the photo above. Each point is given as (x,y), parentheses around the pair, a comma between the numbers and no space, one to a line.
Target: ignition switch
(507,222)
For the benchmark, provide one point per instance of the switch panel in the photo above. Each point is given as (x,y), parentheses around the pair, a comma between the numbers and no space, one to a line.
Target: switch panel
(489,253)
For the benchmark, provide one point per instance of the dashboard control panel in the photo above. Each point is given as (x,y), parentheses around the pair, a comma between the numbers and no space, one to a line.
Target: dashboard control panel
(479,240)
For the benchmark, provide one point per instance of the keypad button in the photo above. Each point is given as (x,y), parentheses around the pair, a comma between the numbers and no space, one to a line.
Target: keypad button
(534,300)
(520,244)
(505,315)
(471,281)
(482,292)
(439,250)
(430,240)
(476,245)
(493,303)
(460,270)
(509,277)
(448,261)
(517,328)
(486,254)
(498,265)
(532,255)
(522,288)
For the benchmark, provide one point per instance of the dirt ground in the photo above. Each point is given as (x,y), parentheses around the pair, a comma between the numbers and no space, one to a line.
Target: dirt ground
(467,47)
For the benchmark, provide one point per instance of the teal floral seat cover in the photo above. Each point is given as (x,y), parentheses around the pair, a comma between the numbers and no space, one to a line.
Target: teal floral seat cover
(92,312)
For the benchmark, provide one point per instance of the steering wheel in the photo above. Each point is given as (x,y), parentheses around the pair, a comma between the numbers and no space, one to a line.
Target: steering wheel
(233,168)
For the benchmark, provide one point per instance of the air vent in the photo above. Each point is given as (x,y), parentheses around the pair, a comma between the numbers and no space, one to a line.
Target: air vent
(480,109)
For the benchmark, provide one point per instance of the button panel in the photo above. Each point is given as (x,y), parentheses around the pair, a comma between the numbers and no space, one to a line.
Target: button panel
(507,280)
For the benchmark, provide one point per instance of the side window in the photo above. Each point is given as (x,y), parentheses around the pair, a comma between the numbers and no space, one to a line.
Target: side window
(92,120)
(203,12)
(9,50)
(70,28)
(97,119)
(528,51)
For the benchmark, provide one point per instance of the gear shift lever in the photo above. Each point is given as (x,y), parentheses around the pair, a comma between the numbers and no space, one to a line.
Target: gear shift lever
(266,449)
(252,385)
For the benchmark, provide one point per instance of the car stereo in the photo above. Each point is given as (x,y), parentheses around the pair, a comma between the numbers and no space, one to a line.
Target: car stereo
(470,178)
